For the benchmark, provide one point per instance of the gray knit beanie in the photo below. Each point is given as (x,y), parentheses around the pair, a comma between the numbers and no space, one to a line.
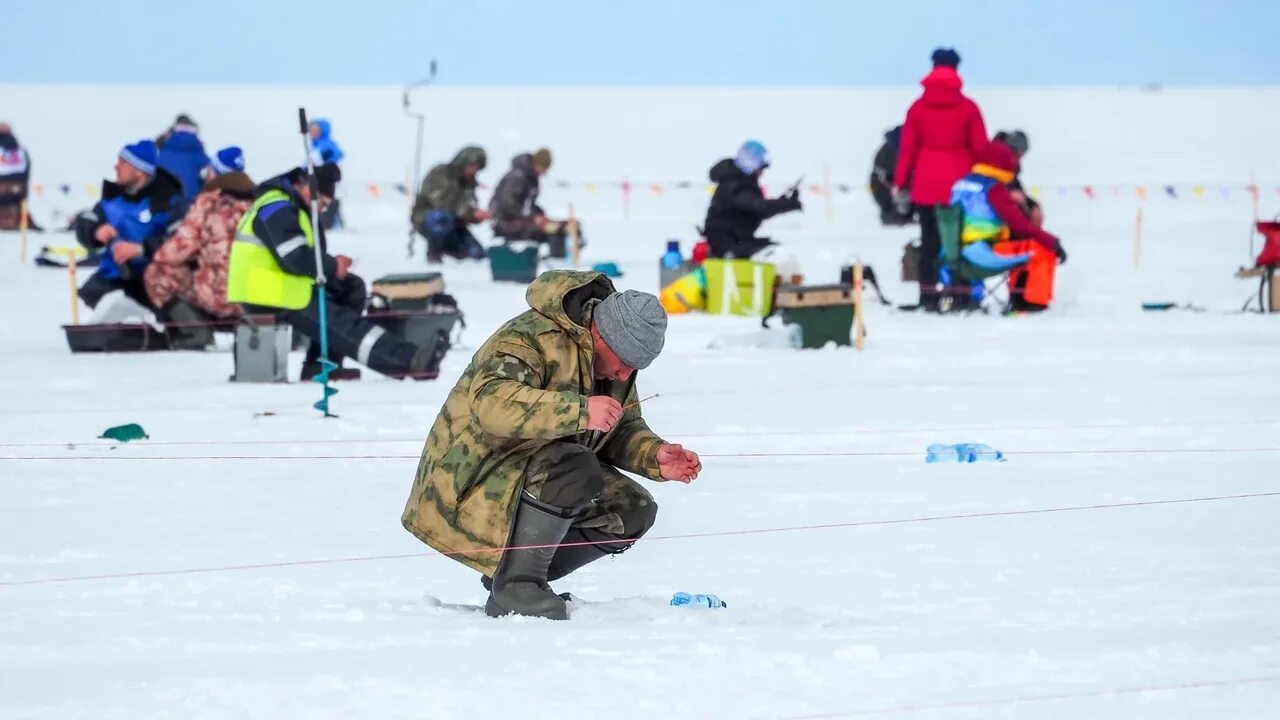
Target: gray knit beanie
(634,325)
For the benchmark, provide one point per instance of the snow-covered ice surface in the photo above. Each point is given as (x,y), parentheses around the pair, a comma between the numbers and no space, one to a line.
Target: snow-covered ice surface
(837,621)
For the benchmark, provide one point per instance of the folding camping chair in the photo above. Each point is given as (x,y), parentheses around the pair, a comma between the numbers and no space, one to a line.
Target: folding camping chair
(965,270)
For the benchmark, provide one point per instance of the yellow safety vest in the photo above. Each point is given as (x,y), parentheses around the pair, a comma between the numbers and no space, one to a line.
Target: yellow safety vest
(254,276)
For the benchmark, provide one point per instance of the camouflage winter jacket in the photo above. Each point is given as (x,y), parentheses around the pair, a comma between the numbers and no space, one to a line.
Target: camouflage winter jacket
(527,386)
(204,238)
(446,188)
(515,201)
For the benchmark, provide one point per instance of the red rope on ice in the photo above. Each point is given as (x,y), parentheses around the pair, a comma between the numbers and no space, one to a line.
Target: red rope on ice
(1142,689)
(850,432)
(757,455)
(684,536)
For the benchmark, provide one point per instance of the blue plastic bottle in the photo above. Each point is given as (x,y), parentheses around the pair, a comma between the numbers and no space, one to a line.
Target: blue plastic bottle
(697,600)
(963,453)
(671,259)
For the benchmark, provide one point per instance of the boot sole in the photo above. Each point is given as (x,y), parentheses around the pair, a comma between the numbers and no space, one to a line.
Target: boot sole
(494,610)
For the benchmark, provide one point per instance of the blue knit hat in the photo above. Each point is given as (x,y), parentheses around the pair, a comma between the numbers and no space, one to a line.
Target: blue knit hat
(228,159)
(141,155)
(752,156)
(945,57)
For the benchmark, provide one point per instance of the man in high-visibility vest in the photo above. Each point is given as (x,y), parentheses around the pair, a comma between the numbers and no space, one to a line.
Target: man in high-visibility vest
(272,270)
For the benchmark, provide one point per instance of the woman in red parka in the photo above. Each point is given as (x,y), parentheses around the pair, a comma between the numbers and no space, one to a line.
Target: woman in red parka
(941,140)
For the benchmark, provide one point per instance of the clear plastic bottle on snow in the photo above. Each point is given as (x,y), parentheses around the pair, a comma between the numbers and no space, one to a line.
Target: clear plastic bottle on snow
(697,600)
(963,453)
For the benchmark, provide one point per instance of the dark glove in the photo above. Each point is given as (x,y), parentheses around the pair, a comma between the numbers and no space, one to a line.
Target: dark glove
(1062,254)
(793,200)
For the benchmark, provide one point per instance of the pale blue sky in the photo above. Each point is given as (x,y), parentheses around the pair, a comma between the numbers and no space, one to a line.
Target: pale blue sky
(628,42)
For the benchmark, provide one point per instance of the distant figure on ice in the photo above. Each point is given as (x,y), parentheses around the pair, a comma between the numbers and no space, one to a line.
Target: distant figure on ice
(446,207)
(273,268)
(137,212)
(992,218)
(529,449)
(882,169)
(514,207)
(187,277)
(941,139)
(1020,145)
(738,206)
(182,153)
(326,157)
(15,181)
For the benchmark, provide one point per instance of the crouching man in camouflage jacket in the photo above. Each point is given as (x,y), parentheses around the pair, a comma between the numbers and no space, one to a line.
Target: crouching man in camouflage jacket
(527,451)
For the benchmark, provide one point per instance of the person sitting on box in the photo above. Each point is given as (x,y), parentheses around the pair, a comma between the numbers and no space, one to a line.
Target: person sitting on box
(996,233)
(514,207)
(273,269)
(446,206)
(739,206)
(138,211)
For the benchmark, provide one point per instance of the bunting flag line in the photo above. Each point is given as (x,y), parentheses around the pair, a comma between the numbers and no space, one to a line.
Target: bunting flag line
(377,190)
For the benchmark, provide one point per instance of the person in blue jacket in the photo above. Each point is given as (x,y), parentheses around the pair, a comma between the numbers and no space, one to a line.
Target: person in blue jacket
(137,212)
(326,156)
(182,153)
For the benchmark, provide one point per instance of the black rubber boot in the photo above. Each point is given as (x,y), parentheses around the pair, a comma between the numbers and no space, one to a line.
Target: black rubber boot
(576,554)
(187,328)
(520,584)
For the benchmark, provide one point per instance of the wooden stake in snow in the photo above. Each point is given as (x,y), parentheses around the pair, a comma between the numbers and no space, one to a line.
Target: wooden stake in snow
(1137,240)
(23,222)
(859,330)
(75,287)
(573,239)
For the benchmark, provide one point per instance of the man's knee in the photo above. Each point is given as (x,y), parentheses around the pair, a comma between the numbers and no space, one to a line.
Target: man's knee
(566,475)
(641,516)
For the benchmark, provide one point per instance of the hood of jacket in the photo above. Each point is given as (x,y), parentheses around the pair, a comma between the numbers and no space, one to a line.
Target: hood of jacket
(997,161)
(8,141)
(469,155)
(524,163)
(893,138)
(725,170)
(181,141)
(942,87)
(563,296)
(324,126)
(284,182)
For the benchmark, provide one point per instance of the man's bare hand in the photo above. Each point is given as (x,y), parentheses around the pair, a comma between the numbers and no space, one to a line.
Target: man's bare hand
(104,234)
(603,412)
(676,463)
(123,252)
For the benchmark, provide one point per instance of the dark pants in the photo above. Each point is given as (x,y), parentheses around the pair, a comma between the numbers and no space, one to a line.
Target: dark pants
(350,333)
(727,246)
(93,289)
(608,507)
(457,243)
(930,249)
